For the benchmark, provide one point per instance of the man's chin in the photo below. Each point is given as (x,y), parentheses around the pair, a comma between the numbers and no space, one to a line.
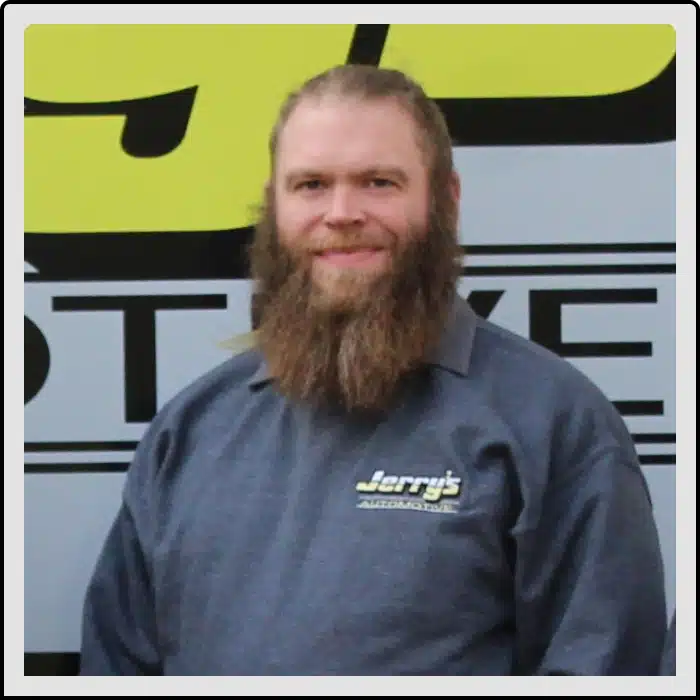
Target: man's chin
(344,295)
(334,301)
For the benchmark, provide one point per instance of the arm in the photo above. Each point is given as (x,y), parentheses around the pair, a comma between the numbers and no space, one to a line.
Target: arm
(119,623)
(590,594)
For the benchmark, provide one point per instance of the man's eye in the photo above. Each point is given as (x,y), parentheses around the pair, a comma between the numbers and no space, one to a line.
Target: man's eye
(380,182)
(310,185)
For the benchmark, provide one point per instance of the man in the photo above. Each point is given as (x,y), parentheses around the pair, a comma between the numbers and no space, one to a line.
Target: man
(387,483)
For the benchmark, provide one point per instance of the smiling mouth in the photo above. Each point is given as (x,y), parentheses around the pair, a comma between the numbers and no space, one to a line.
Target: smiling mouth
(350,256)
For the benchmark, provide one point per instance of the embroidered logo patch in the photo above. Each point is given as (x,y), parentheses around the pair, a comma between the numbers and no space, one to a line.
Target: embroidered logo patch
(436,494)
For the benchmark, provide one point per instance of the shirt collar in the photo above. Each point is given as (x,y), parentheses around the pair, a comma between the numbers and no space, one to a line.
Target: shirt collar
(453,353)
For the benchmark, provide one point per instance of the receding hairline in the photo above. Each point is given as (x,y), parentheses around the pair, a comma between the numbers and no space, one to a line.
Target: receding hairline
(319,99)
(370,84)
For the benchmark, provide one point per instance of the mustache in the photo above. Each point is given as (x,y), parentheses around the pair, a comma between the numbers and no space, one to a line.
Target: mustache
(347,243)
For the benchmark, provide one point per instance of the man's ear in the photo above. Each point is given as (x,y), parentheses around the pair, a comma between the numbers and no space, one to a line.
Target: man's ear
(455,187)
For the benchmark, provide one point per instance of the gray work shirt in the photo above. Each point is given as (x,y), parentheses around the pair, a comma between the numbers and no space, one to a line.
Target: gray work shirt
(496,522)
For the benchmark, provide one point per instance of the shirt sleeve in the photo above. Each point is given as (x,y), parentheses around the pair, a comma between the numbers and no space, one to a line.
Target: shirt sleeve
(590,596)
(119,633)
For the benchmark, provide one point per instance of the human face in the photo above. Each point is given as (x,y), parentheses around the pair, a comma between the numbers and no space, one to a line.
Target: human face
(346,328)
(351,189)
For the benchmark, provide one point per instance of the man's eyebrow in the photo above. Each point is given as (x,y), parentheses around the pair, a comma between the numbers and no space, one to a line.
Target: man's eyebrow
(386,171)
(303,174)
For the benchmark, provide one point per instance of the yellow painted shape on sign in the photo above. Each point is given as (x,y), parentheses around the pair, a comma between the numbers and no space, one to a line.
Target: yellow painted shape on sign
(529,60)
(77,176)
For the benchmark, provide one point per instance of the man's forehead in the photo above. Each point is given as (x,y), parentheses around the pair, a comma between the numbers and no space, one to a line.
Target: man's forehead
(331,104)
(331,125)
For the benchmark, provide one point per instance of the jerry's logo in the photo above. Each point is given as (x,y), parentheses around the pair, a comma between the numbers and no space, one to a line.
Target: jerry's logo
(410,492)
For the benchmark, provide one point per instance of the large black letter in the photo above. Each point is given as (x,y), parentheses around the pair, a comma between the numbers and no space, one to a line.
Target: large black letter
(140,339)
(484,302)
(545,320)
(36,360)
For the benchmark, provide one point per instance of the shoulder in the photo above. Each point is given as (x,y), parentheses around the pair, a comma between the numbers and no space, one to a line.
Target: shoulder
(225,383)
(540,393)
(197,413)
(507,359)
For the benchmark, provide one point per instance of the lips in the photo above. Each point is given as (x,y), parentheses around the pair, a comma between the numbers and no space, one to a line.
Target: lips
(349,256)
(357,250)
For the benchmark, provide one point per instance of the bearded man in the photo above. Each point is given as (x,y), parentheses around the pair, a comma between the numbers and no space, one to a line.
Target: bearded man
(386,484)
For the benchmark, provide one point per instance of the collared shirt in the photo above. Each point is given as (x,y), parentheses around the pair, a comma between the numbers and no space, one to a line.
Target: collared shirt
(496,522)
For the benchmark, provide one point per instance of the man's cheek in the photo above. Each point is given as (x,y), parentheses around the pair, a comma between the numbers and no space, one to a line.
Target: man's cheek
(295,227)
(406,224)
(294,254)
(292,241)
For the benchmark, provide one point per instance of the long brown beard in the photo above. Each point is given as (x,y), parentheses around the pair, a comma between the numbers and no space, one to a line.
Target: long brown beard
(356,355)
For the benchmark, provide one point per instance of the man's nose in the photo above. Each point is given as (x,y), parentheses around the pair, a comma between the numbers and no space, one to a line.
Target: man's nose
(344,208)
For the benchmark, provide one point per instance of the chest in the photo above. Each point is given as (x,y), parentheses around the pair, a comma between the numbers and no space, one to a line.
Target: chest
(324,534)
